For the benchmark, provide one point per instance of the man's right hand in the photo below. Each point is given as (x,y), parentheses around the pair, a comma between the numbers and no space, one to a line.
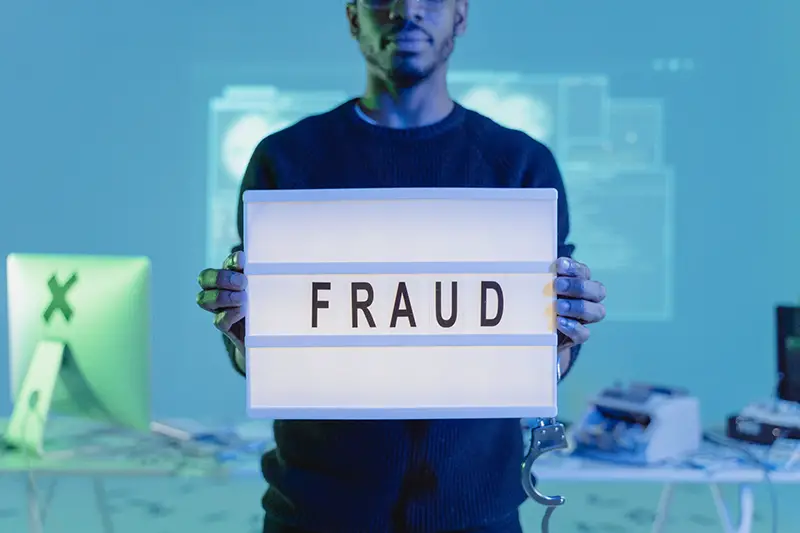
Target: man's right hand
(223,293)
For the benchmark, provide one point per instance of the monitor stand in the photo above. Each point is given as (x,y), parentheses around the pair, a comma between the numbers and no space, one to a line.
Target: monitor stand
(25,430)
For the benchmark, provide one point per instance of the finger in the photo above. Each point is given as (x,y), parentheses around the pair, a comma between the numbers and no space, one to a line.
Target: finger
(566,266)
(235,261)
(224,320)
(573,329)
(229,280)
(581,310)
(212,300)
(581,289)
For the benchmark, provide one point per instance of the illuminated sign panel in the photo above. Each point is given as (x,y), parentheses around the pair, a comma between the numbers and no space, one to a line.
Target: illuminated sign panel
(401,303)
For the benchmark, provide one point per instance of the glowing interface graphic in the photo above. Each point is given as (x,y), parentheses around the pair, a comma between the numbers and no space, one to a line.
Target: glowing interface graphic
(238,121)
(519,111)
(242,138)
(610,151)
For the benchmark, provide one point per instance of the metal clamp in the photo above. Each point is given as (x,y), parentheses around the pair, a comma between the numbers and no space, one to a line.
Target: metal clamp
(546,435)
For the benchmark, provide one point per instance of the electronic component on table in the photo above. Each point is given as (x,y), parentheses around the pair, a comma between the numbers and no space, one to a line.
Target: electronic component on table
(765,422)
(640,425)
(787,330)
(779,418)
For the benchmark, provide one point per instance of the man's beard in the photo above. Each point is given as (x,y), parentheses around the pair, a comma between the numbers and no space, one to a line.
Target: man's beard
(404,75)
(402,72)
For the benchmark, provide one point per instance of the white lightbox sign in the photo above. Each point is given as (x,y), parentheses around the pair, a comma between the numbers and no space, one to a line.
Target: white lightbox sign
(401,303)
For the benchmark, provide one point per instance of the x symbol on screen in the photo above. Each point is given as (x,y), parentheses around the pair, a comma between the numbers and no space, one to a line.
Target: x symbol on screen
(59,297)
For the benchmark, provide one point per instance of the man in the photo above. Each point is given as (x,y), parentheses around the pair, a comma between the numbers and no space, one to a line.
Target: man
(400,476)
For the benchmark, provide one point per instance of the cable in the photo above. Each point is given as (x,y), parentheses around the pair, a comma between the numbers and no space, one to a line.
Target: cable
(765,466)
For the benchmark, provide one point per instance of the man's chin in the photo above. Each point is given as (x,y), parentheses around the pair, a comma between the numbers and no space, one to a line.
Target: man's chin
(407,74)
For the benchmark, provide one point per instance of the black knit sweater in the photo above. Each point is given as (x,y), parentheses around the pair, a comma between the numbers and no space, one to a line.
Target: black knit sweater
(426,476)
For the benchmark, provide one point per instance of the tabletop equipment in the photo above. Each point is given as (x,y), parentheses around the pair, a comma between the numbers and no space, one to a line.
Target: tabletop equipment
(641,424)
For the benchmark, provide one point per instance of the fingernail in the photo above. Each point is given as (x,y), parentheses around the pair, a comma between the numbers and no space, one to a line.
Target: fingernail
(566,263)
(237,296)
(563,306)
(562,284)
(563,322)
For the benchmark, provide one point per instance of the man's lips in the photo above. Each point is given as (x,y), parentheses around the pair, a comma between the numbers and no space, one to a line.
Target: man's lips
(408,38)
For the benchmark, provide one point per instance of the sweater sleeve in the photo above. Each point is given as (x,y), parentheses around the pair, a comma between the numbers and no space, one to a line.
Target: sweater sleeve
(258,175)
(546,175)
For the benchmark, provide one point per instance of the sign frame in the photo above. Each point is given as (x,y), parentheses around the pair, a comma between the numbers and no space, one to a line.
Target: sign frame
(546,341)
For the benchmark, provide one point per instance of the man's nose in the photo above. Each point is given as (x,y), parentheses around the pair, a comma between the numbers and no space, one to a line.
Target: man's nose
(406,9)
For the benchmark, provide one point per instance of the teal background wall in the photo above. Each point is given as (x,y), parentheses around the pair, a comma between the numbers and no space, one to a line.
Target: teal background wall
(104,147)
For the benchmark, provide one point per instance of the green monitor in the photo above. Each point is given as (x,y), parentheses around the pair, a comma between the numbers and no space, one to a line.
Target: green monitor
(79,342)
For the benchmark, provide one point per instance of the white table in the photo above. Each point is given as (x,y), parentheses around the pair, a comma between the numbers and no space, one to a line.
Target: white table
(94,451)
(714,466)
(102,453)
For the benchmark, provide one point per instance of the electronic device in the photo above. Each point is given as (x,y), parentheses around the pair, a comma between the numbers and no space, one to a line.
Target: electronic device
(640,425)
(79,339)
(765,422)
(788,350)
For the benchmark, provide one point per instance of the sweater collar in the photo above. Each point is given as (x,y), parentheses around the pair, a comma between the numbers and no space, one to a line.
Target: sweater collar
(362,124)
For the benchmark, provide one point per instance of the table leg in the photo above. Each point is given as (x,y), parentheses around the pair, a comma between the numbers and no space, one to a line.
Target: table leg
(101,501)
(746,509)
(662,512)
(37,510)
(35,524)
(44,503)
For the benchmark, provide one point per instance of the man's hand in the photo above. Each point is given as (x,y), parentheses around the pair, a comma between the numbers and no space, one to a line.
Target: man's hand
(579,302)
(223,294)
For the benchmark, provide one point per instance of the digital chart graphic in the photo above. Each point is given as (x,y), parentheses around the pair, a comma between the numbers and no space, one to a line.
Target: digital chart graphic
(610,150)
(238,120)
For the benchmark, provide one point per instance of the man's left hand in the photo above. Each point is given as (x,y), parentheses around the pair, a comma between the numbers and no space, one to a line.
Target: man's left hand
(579,302)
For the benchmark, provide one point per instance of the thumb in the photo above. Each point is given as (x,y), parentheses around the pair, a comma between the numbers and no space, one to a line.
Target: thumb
(235,261)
